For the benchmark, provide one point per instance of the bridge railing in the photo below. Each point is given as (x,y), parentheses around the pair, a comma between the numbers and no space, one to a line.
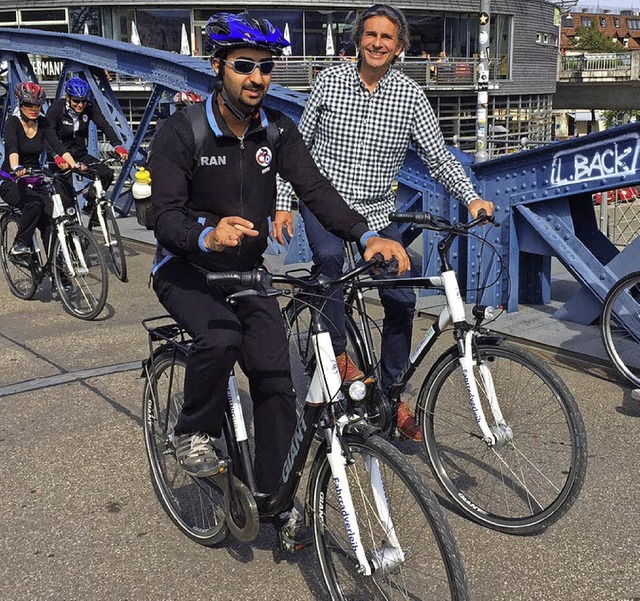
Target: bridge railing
(586,66)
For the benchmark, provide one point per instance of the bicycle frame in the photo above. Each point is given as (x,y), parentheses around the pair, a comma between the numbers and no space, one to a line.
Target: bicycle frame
(452,314)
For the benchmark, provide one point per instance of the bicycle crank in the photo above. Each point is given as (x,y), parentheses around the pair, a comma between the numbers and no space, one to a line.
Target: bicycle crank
(241,511)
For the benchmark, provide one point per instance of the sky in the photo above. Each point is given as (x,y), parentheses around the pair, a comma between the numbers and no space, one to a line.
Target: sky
(614,5)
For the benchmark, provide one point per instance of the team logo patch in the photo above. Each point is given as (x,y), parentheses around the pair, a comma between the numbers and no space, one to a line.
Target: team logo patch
(85,118)
(264,156)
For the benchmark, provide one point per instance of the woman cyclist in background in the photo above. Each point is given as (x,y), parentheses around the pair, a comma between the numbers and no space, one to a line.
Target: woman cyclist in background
(25,137)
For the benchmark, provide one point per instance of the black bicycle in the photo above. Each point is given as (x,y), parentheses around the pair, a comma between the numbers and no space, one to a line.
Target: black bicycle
(620,326)
(379,532)
(501,431)
(72,258)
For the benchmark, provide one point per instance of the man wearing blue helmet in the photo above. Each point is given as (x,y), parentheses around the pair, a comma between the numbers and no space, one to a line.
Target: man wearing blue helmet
(212,202)
(70,118)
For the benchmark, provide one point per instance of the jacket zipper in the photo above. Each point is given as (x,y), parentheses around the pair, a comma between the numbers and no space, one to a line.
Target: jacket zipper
(241,185)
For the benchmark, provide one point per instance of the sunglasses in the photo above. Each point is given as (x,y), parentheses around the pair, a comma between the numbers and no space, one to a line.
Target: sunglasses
(78,100)
(30,105)
(245,66)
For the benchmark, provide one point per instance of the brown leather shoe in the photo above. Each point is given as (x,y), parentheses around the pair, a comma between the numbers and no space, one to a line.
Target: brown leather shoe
(407,423)
(347,368)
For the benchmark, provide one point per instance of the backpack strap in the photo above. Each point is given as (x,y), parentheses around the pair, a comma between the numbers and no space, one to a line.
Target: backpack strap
(197,117)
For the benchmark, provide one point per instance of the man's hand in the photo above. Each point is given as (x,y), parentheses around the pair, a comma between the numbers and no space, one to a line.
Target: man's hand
(229,232)
(388,248)
(281,220)
(478,204)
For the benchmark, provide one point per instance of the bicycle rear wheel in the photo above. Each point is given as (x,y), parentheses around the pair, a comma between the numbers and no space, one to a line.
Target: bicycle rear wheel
(83,292)
(114,244)
(18,271)
(429,565)
(533,475)
(195,505)
(620,326)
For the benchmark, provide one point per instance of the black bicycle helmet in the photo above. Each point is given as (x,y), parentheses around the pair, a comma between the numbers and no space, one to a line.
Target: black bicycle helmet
(226,31)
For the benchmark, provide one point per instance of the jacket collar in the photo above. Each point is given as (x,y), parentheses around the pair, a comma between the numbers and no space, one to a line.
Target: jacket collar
(220,128)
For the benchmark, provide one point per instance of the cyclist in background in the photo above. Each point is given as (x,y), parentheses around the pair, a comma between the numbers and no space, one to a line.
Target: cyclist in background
(70,118)
(358,123)
(181,100)
(211,209)
(25,137)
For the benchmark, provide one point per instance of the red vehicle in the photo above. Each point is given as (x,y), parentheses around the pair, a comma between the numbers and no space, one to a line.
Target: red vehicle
(620,195)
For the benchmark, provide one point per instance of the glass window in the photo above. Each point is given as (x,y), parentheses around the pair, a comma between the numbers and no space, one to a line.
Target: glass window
(633,23)
(427,34)
(79,17)
(8,17)
(291,18)
(121,22)
(460,35)
(39,16)
(616,22)
(586,21)
(501,34)
(162,28)
(316,26)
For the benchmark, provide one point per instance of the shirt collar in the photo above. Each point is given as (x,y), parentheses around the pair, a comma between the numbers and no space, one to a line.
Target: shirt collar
(389,76)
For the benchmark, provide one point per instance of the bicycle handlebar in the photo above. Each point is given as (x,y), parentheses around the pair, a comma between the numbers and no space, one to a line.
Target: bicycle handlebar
(437,223)
(259,282)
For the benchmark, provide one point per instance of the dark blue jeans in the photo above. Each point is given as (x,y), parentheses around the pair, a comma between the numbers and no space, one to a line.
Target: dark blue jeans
(398,303)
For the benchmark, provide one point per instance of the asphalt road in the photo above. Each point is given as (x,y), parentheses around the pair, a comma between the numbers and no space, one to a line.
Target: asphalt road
(79,519)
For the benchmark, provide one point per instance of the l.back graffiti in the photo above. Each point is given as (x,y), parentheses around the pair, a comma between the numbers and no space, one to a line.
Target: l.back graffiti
(601,160)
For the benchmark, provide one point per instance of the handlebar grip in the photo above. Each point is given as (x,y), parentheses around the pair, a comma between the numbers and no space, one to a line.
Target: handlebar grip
(244,278)
(420,217)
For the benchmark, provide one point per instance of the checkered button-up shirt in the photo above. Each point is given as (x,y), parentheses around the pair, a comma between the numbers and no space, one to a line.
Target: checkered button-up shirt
(359,140)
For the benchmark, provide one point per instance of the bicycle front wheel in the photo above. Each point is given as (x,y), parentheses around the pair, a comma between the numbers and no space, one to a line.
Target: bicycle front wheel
(620,326)
(17,270)
(113,242)
(532,476)
(427,565)
(83,291)
(195,505)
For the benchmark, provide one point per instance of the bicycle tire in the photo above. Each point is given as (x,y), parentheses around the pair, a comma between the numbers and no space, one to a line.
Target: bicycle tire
(84,293)
(431,567)
(522,485)
(194,505)
(620,326)
(19,275)
(115,244)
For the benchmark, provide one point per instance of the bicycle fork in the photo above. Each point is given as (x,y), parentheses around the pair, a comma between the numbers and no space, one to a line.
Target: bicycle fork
(491,435)
(391,555)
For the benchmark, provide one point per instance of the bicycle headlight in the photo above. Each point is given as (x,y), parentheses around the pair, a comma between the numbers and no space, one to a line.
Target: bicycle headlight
(358,390)
(71,211)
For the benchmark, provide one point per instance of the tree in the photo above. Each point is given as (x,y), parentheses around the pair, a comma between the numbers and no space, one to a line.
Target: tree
(591,39)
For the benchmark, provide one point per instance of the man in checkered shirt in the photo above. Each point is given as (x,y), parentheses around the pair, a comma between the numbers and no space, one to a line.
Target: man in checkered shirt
(358,122)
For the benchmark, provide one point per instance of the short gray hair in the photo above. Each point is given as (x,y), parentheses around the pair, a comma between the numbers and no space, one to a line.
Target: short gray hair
(383,10)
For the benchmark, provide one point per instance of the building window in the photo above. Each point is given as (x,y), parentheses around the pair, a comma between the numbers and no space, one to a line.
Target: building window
(162,28)
(290,20)
(633,23)
(586,21)
(616,23)
(43,16)
(603,22)
(8,17)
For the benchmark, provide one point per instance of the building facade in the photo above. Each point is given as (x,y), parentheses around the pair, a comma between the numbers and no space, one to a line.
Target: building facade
(523,49)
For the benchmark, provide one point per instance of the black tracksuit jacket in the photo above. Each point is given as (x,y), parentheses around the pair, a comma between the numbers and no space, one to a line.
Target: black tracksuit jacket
(233,177)
(76,142)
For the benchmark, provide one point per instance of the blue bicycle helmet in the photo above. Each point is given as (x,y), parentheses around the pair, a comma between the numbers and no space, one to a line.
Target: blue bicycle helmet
(77,88)
(226,31)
